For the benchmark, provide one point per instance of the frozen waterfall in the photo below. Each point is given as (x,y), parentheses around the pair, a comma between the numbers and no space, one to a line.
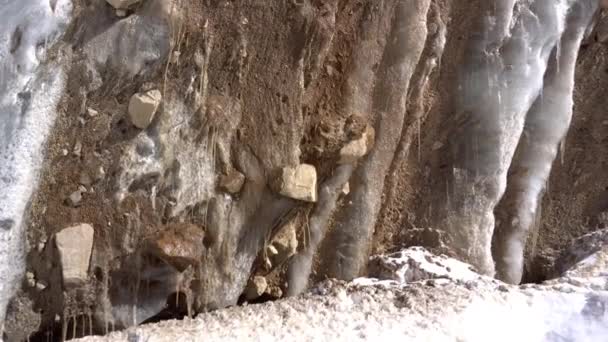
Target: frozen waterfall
(517,77)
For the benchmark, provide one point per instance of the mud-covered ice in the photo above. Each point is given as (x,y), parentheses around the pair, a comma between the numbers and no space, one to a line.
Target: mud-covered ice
(29,92)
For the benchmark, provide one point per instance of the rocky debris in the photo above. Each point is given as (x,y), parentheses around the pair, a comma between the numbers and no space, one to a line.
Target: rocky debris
(255,287)
(284,244)
(75,245)
(358,148)
(232,182)
(143,106)
(298,182)
(417,264)
(346,188)
(180,245)
(122,4)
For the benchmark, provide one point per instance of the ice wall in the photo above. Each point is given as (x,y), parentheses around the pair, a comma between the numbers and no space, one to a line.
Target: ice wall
(502,77)
(29,92)
(545,127)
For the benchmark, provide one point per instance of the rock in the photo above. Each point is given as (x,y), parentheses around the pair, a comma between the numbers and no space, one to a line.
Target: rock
(92,112)
(180,245)
(255,287)
(358,148)
(75,198)
(298,182)
(346,188)
(122,4)
(271,250)
(121,13)
(75,245)
(40,286)
(437,145)
(285,243)
(232,182)
(77,149)
(30,279)
(143,106)
(417,264)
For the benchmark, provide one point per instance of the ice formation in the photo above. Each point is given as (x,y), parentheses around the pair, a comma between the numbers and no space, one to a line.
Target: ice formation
(29,92)
(519,72)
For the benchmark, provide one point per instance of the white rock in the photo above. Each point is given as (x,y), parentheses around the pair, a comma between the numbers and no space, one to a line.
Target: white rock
(255,287)
(122,4)
(75,198)
(417,264)
(298,182)
(358,148)
(30,279)
(143,106)
(121,13)
(92,112)
(75,245)
(40,286)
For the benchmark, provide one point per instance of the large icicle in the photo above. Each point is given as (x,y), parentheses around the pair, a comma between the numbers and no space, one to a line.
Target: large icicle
(546,125)
(501,78)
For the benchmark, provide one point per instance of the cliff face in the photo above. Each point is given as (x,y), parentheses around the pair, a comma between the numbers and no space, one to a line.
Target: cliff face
(209,142)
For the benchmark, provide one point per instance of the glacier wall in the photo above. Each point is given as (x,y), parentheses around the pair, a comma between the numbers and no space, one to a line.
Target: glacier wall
(29,93)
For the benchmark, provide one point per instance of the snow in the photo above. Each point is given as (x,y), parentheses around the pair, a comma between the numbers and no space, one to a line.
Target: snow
(460,307)
(29,93)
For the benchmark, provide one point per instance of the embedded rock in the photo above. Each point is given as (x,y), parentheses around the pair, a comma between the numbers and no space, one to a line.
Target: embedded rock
(358,148)
(298,182)
(142,108)
(232,182)
(75,245)
(180,245)
(122,4)
(284,244)
(255,287)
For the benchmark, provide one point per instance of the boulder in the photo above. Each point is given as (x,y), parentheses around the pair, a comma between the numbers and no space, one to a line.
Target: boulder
(143,106)
(122,4)
(298,182)
(358,148)
(255,287)
(75,245)
(180,245)
(232,182)
(417,264)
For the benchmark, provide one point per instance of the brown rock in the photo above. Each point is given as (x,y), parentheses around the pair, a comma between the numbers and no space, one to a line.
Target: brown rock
(255,287)
(232,182)
(285,243)
(181,245)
